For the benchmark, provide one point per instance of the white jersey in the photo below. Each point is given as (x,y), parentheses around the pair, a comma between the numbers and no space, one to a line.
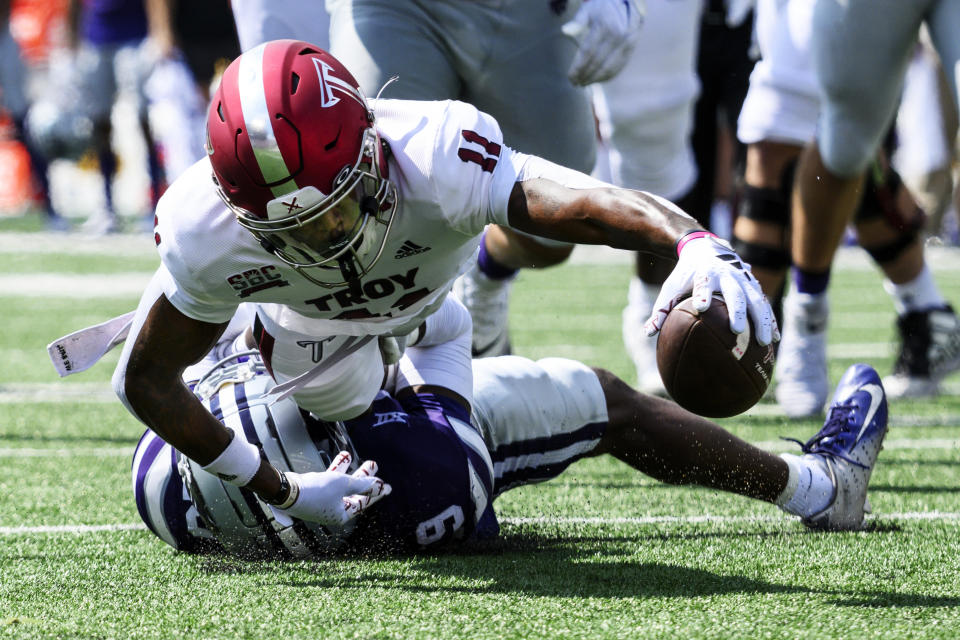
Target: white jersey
(453,176)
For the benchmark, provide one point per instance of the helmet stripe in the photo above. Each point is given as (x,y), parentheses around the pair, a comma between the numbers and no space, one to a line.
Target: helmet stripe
(257,120)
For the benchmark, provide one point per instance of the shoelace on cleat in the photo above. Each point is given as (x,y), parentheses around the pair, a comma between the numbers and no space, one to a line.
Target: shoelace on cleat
(830,440)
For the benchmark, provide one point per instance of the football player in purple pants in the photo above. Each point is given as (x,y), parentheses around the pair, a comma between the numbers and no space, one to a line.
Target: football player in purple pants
(445,466)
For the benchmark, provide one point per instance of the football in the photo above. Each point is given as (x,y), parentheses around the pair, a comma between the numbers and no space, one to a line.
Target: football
(707,368)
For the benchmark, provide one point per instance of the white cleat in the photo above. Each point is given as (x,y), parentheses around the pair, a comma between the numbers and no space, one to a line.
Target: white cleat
(488,302)
(847,448)
(802,385)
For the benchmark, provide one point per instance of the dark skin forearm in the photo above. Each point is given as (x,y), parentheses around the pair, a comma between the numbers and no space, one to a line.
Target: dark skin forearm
(165,346)
(619,218)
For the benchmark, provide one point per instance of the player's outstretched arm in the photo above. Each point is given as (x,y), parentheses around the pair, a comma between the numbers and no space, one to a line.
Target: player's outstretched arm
(620,218)
(640,221)
(167,343)
(152,385)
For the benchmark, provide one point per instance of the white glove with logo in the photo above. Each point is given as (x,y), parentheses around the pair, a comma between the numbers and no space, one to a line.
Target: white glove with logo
(332,497)
(606,32)
(707,264)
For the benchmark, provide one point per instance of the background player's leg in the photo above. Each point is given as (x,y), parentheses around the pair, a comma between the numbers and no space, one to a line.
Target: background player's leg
(377,39)
(860,51)
(514,65)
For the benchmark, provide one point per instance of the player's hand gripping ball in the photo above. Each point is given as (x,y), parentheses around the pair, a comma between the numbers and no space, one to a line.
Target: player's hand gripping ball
(707,368)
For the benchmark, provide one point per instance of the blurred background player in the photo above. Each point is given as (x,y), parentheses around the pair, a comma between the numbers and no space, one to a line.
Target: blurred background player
(645,119)
(258,21)
(724,62)
(15,100)
(188,56)
(110,39)
(861,49)
(779,116)
(927,142)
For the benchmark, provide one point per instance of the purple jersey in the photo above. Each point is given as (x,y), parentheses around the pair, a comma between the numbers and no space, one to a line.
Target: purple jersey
(425,447)
(530,421)
(105,22)
(429,453)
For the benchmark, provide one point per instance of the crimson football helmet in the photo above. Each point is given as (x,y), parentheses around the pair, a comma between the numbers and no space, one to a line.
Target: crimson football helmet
(296,157)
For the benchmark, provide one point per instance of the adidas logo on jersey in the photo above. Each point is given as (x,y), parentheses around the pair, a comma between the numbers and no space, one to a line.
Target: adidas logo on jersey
(409,249)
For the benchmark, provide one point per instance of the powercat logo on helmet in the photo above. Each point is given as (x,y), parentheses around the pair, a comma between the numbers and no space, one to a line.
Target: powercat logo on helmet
(330,83)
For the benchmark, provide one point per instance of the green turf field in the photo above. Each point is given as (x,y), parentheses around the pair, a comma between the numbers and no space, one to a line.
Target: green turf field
(601,552)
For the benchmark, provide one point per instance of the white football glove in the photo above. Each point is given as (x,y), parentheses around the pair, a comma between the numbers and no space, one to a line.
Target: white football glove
(333,497)
(605,32)
(707,264)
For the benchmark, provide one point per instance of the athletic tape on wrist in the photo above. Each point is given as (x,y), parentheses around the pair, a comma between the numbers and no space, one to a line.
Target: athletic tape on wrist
(237,464)
(693,235)
(293,495)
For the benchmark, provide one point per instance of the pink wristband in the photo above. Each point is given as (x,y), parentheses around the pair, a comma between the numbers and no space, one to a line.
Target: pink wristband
(693,235)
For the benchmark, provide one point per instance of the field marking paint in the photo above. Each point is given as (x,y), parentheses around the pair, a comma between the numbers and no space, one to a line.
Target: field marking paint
(127,245)
(914,516)
(890,444)
(851,258)
(102,392)
(57,392)
(77,452)
(72,528)
(944,516)
(82,286)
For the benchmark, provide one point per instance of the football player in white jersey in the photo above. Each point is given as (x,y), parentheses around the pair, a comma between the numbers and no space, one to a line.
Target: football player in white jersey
(779,116)
(345,223)
(530,421)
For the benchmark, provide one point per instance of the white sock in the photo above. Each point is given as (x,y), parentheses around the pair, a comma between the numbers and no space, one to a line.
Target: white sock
(641,296)
(809,489)
(919,294)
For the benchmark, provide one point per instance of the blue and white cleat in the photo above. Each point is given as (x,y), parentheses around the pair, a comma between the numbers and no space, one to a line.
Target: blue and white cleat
(847,447)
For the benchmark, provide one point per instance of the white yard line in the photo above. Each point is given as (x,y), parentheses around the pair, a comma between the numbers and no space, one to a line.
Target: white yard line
(88,285)
(141,244)
(890,444)
(58,392)
(853,258)
(914,516)
(71,528)
(127,245)
(75,452)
